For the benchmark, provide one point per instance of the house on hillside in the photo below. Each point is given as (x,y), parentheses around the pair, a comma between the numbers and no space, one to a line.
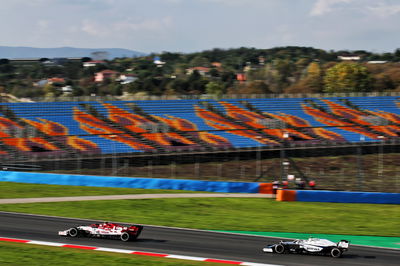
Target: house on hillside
(217,65)
(105,74)
(56,81)
(377,62)
(93,63)
(202,70)
(127,78)
(241,77)
(158,62)
(349,57)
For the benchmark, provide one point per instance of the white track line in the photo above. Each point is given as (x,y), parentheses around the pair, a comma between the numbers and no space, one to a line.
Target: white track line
(143,253)
(137,196)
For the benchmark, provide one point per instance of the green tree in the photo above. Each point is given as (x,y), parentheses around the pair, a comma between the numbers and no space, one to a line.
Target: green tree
(177,86)
(285,70)
(199,61)
(347,77)
(214,88)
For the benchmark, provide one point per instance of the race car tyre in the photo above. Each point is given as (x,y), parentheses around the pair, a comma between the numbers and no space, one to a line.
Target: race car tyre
(125,237)
(73,232)
(336,253)
(279,249)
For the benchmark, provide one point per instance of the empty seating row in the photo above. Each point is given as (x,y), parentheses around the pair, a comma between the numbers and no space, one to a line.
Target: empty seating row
(170,125)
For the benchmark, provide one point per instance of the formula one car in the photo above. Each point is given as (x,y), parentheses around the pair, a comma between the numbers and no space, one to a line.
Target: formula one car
(309,246)
(104,230)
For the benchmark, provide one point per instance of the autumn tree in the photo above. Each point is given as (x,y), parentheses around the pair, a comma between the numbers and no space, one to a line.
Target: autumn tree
(255,87)
(314,78)
(50,91)
(312,82)
(347,77)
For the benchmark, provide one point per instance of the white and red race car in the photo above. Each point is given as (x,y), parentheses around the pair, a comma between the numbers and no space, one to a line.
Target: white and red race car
(104,230)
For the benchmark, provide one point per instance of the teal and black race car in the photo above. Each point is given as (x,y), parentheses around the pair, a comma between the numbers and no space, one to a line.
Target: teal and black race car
(310,246)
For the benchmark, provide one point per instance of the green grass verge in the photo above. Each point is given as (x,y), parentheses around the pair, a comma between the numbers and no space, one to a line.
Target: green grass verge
(261,215)
(11,190)
(26,254)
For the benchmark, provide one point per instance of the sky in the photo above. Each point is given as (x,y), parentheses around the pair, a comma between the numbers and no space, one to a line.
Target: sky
(196,25)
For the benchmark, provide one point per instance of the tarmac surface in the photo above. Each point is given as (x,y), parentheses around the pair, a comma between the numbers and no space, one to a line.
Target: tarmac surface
(187,242)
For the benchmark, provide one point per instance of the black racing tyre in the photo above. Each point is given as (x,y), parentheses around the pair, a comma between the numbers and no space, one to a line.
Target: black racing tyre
(279,249)
(336,253)
(125,237)
(73,232)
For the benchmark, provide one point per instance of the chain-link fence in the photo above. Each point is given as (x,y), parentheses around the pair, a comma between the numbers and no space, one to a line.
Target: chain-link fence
(129,97)
(357,167)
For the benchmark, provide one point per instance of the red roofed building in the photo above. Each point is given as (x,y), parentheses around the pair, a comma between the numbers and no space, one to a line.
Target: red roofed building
(55,80)
(216,64)
(202,70)
(241,77)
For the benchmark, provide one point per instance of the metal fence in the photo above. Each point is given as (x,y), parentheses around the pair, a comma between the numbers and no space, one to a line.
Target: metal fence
(129,97)
(353,167)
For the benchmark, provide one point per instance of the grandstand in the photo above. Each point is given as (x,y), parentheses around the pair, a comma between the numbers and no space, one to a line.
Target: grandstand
(141,130)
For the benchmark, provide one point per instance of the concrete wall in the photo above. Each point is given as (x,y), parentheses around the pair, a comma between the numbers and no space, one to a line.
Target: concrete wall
(126,182)
(347,197)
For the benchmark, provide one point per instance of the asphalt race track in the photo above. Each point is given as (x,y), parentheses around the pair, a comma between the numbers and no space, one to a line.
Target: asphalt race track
(187,242)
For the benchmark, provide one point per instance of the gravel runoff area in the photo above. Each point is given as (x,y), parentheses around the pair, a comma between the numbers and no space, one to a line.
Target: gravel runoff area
(137,196)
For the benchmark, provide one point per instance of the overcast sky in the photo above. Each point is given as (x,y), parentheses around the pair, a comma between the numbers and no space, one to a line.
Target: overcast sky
(196,25)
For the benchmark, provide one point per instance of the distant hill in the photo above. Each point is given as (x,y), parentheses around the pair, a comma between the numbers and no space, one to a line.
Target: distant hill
(31,52)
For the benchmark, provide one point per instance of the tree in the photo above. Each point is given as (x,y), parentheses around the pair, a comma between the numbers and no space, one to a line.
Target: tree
(255,87)
(347,77)
(199,61)
(397,55)
(214,88)
(4,61)
(177,86)
(285,71)
(50,91)
(313,78)
(383,82)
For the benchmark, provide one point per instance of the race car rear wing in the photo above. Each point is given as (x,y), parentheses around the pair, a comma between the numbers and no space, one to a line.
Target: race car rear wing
(343,244)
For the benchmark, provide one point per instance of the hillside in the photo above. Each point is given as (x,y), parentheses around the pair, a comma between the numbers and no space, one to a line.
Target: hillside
(31,52)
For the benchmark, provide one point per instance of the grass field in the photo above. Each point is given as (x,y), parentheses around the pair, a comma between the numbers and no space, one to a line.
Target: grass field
(23,190)
(233,214)
(35,255)
(206,213)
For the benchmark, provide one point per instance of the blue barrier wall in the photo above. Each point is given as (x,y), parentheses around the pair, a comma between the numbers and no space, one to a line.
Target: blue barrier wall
(127,182)
(347,197)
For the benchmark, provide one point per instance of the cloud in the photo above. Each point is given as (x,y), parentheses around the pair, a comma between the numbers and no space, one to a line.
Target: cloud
(322,7)
(239,2)
(43,24)
(98,29)
(144,25)
(93,28)
(380,8)
(383,10)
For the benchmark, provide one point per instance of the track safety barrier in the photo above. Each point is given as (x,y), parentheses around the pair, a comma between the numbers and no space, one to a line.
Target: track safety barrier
(128,182)
(198,185)
(338,196)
